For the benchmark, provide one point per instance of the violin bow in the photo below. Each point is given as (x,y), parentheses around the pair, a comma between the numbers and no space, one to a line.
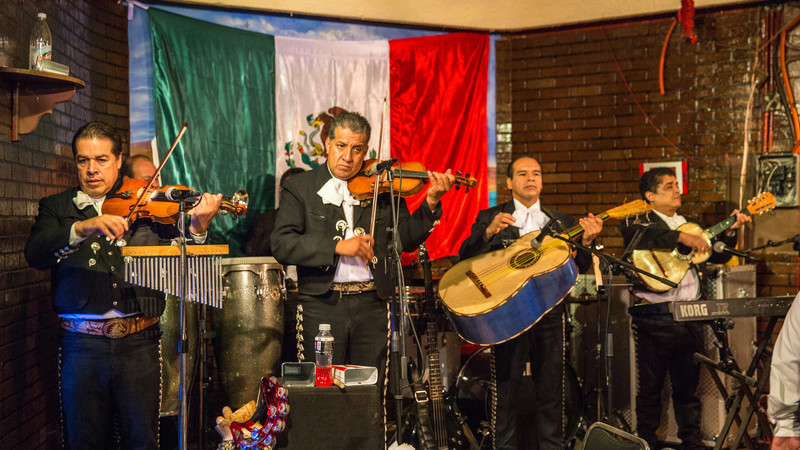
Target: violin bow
(377,185)
(158,171)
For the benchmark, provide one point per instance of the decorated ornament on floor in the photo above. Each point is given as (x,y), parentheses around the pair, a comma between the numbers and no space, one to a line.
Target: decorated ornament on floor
(255,426)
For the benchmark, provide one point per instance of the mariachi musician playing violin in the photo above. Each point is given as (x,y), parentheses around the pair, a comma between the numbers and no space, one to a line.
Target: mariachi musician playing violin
(323,230)
(110,364)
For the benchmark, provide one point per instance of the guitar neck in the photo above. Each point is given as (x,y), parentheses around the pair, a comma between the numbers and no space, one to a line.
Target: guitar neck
(434,372)
(435,386)
(578,230)
(722,226)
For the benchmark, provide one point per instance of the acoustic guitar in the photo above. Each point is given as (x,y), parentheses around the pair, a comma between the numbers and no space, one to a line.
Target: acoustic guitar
(673,264)
(496,296)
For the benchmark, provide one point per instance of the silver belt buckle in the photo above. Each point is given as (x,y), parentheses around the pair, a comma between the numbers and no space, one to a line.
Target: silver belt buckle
(116,328)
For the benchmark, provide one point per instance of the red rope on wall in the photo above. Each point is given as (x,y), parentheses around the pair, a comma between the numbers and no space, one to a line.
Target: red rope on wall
(664,55)
(638,105)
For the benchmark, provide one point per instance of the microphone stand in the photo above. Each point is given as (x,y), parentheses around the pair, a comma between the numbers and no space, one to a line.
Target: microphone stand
(795,239)
(183,340)
(612,262)
(399,357)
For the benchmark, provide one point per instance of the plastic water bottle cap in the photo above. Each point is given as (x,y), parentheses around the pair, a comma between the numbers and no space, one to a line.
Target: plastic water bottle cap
(42,16)
(324,327)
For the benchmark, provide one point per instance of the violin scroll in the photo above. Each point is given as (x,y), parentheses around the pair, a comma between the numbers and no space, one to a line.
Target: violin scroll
(236,205)
(467,181)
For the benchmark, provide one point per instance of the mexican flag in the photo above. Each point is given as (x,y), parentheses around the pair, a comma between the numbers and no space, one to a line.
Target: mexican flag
(257,105)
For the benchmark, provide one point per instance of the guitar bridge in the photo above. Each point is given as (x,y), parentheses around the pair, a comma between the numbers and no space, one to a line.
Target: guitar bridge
(479,284)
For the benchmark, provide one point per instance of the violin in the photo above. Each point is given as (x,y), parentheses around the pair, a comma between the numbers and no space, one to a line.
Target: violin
(409,178)
(153,206)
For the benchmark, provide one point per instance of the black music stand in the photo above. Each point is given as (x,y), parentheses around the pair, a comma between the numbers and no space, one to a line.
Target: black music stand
(733,404)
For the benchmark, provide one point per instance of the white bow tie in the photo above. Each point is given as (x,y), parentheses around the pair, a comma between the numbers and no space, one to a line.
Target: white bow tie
(520,218)
(335,192)
(82,200)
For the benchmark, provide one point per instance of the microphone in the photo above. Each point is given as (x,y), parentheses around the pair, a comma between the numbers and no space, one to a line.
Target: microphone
(380,167)
(720,247)
(173,194)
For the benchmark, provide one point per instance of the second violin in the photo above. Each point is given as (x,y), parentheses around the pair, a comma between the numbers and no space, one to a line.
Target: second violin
(408,179)
(155,204)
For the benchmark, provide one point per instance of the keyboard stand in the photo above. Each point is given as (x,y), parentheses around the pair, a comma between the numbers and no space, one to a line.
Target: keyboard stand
(733,404)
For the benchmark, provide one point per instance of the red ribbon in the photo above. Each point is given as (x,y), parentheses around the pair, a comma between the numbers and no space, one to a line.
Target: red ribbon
(686,18)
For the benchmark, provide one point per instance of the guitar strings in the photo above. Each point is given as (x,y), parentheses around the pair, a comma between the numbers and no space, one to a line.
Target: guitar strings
(494,272)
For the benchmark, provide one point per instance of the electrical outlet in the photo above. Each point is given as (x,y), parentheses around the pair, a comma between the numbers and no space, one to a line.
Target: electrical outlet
(777,173)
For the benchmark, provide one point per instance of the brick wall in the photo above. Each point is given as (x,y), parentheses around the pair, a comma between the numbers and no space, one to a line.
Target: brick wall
(562,98)
(90,37)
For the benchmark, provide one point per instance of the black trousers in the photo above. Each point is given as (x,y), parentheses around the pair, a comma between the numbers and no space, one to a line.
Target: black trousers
(359,325)
(665,346)
(543,346)
(102,378)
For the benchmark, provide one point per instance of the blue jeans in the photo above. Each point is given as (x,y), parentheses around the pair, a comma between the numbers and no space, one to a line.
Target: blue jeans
(103,378)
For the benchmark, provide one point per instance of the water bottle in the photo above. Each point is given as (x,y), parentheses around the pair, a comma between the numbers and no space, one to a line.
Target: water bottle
(41,43)
(323,348)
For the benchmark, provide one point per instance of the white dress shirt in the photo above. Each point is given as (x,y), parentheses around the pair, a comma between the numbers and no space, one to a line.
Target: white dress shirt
(784,377)
(349,268)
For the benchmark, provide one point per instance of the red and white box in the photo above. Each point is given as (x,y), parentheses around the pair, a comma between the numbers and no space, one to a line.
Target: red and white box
(351,375)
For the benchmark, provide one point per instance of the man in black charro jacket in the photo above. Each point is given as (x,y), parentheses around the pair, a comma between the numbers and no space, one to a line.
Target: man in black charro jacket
(663,345)
(110,340)
(543,344)
(323,230)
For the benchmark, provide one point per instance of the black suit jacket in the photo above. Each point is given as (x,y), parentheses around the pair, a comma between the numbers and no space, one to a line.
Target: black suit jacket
(88,279)
(305,232)
(474,245)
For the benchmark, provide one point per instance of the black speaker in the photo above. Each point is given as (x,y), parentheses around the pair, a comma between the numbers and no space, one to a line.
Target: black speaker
(329,418)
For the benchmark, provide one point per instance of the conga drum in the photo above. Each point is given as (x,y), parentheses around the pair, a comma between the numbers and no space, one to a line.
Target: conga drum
(249,326)
(170,334)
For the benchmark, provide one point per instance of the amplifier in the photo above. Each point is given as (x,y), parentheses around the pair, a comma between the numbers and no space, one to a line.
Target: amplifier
(330,418)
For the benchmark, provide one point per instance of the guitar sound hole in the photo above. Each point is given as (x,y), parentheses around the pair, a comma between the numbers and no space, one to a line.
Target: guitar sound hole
(524,259)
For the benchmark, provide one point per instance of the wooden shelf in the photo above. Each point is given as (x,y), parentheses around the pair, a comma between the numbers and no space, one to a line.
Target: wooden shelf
(34,94)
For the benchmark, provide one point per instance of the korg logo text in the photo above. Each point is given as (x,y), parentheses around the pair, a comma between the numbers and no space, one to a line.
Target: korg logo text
(693,310)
